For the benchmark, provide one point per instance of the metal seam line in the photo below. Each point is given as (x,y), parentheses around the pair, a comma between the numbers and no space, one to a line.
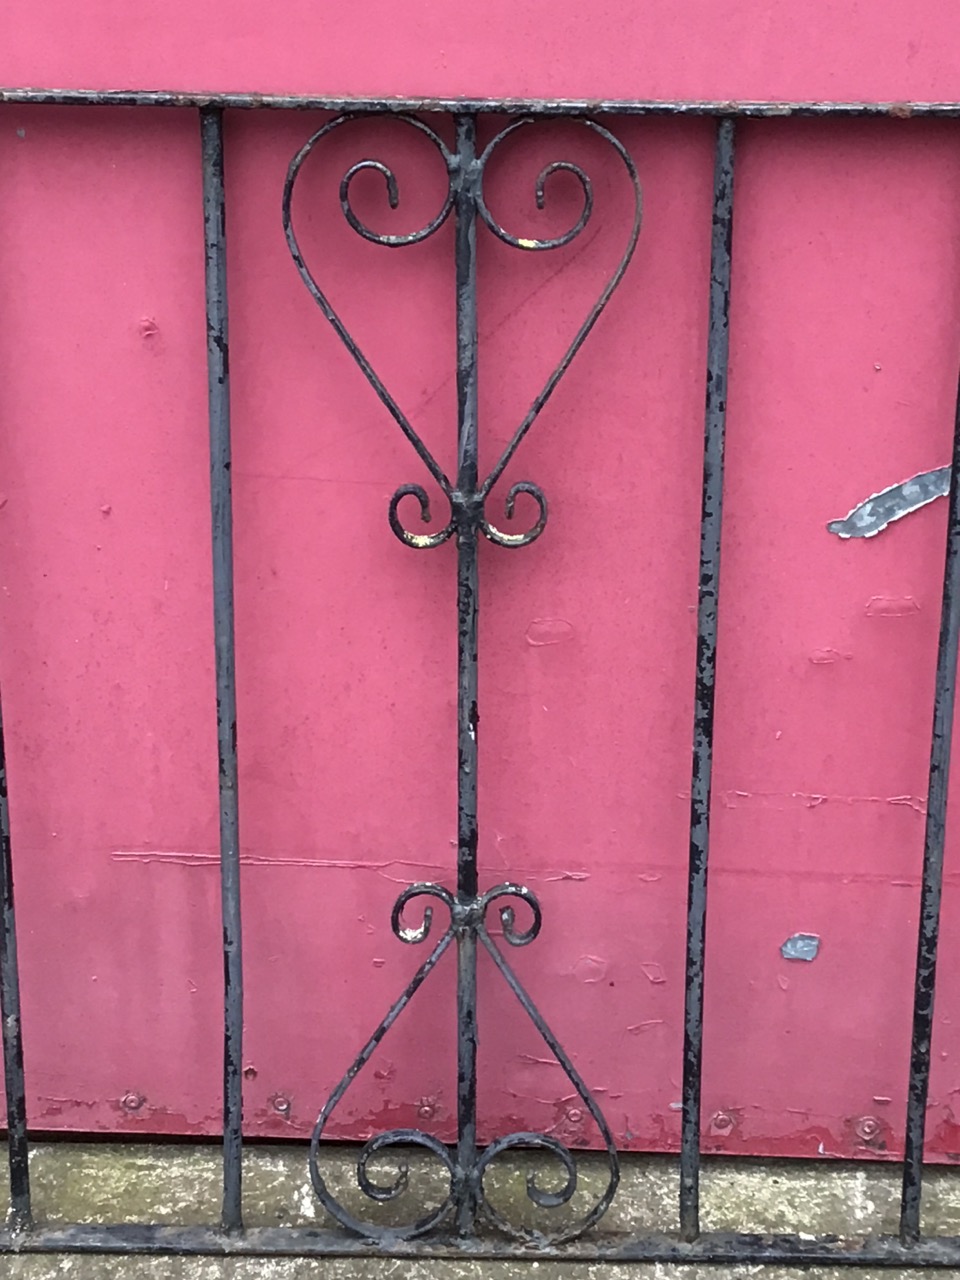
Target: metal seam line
(215,263)
(12,1026)
(932,879)
(718,344)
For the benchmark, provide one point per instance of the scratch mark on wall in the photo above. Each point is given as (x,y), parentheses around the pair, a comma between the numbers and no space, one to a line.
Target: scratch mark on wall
(306,478)
(873,515)
(810,800)
(639,1027)
(590,969)
(891,606)
(544,631)
(173,857)
(824,657)
(653,972)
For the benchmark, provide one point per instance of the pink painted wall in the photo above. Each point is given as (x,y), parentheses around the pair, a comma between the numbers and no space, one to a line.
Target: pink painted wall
(832,49)
(844,355)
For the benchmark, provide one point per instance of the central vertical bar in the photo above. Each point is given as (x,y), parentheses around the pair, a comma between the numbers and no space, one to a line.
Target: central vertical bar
(467,585)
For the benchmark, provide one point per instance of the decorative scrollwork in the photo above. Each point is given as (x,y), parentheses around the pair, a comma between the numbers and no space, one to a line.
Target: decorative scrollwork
(393,190)
(422,931)
(542,1198)
(467,913)
(393,196)
(491,531)
(382,1193)
(503,539)
(465,917)
(540,192)
(395,1137)
(535,1193)
(556,243)
(515,937)
(419,540)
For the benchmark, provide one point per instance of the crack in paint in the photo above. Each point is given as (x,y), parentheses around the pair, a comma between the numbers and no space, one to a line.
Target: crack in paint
(811,800)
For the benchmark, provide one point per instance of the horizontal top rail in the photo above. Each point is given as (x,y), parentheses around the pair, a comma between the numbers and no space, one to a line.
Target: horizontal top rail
(514,106)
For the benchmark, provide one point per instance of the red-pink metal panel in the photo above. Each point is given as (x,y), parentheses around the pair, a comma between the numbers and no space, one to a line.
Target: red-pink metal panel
(846,315)
(748,49)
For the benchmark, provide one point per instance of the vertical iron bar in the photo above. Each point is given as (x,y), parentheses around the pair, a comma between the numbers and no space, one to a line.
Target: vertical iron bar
(214,226)
(718,343)
(932,879)
(467,717)
(12,1027)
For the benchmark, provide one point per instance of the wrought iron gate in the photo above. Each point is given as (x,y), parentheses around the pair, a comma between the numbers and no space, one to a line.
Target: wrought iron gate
(456,1224)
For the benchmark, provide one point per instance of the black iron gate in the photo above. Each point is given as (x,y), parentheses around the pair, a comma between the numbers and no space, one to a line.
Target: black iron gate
(465,1221)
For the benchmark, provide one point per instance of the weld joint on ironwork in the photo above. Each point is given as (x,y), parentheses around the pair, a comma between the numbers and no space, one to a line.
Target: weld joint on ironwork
(466,176)
(466,917)
(468,508)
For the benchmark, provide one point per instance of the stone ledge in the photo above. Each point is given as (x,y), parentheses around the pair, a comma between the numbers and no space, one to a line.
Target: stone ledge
(180,1183)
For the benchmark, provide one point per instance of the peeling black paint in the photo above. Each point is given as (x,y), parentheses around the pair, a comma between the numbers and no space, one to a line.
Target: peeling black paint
(474,106)
(215,261)
(931,884)
(706,669)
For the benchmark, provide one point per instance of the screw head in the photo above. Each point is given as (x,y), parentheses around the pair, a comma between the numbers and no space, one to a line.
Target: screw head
(868,1128)
(574,1115)
(281,1104)
(722,1121)
(426,1110)
(132,1101)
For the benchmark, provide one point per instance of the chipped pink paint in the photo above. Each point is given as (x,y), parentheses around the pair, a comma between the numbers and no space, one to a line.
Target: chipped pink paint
(891,607)
(543,631)
(590,969)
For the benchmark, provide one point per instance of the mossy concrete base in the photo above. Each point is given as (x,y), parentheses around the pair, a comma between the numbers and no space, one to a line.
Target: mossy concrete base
(162,1183)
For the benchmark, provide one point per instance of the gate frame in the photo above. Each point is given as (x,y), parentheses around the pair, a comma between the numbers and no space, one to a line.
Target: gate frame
(907,1249)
